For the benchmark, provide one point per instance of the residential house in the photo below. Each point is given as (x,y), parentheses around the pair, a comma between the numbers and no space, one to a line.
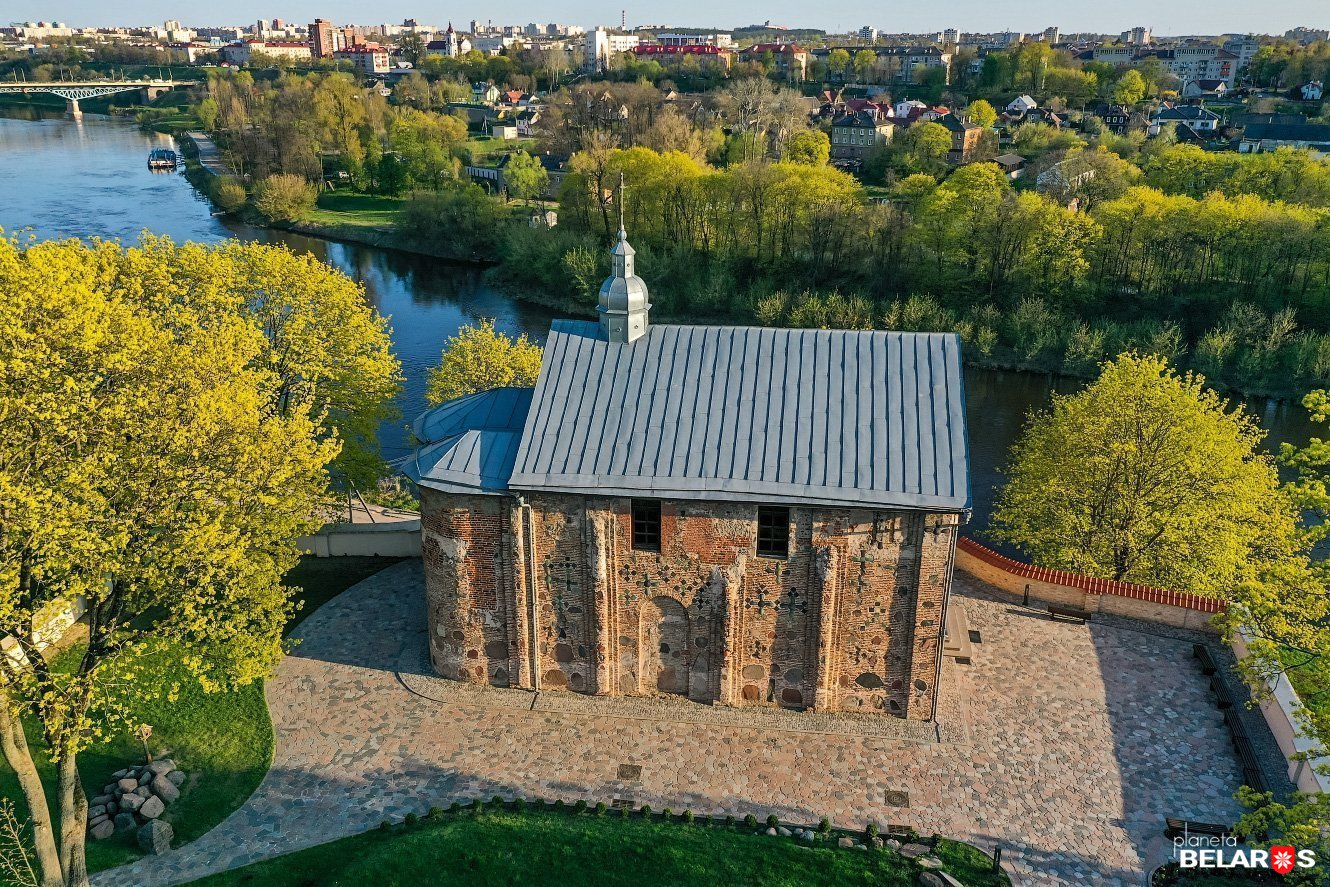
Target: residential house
(1204,89)
(965,137)
(1194,117)
(1061,179)
(856,135)
(1267,137)
(1022,104)
(367,59)
(791,61)
(1119,119)
(1011,164)
(243,53)
(485,93)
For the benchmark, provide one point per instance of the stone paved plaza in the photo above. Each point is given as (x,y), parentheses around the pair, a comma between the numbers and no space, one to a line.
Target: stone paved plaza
(1067,744)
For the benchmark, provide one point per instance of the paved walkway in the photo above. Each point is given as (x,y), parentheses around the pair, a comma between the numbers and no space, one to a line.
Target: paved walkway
(1067,744)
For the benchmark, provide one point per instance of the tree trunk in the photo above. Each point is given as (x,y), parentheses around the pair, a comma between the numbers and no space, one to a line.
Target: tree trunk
(73,822)
(17,754)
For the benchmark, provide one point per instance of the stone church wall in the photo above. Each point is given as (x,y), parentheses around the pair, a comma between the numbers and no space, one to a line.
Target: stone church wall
(851,620)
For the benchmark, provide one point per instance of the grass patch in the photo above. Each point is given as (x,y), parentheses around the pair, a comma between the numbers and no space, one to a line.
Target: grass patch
(355,210)
(504,848)
(224,741)
(486,146)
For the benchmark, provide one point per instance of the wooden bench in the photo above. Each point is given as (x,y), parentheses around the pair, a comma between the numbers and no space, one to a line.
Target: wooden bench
(1056,610)
(1176,827)
(1223,695)
(1202,654)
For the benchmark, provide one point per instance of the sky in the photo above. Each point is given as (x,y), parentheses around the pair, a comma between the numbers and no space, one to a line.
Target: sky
(1163,16)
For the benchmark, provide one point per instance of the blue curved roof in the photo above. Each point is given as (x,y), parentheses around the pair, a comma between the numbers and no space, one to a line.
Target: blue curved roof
(473,461)
(499,409)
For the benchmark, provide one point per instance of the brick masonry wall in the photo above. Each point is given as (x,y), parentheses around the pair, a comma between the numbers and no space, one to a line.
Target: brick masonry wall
(1050,586)
(851,620)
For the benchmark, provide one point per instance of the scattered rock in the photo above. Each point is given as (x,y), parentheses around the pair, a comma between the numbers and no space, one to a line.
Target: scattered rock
(155,837)
(910,851)
(142,791)
(97,820)
(930,879)
(145,777)
(152,808)
(783,831)
(96,810)
(125,822)
(951,882)
(876,842)
(162,767)
(861,847)
(128,784)
(131,803)
(120,774)
(806,836)
(103,800)
(891,844)
(930,862)
(772,832)
(103,829)
(110,789)
(164,789)
(176,777)
(845,842)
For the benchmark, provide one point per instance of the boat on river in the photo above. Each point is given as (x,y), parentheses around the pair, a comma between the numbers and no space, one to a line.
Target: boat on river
(162,158)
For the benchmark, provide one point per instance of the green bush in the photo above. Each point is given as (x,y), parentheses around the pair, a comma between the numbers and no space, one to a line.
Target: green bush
(688,817)
(229,196)
(460,221)
(580,806)
(872,830)
(750,820)
(434,814)
(729,820)
(773,820)
(284,198)
(498,803)
(823,826)
(667,813)
(455,808)
(601,808)
(412,818)
(646,811)
(519,804)
(385,826)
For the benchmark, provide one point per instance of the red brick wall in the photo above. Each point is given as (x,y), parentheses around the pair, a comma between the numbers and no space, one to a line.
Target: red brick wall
(855,610)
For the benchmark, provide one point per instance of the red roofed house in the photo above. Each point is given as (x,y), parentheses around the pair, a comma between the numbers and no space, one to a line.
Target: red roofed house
(703,53)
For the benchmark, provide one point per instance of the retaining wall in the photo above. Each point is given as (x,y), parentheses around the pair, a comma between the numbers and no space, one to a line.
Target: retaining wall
(396,539)
(1106,596)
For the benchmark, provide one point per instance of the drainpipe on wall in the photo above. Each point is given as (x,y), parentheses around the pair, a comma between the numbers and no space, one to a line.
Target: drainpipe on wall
(533,608)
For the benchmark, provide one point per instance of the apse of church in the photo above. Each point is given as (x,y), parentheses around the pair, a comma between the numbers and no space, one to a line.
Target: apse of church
(849,619)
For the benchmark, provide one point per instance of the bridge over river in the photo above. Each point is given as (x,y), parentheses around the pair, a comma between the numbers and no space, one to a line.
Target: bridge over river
(75,91)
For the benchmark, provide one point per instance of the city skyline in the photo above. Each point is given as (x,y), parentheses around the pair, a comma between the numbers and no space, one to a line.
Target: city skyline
(1227,16)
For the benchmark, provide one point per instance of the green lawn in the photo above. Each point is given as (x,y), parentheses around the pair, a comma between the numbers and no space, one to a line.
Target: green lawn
(355,210)
(223,740)
(482,147)
(505,848)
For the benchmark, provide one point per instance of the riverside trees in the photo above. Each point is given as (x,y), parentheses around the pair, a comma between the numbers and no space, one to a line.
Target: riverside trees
(168,418)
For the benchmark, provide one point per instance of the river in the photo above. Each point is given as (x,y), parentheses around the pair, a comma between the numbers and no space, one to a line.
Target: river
(60,178)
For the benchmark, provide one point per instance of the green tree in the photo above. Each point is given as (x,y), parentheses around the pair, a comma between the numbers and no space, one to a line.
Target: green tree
(1148,477)
(838,60)
(185,465)
(525,177)
(982,113)
(479,358)
(284,198)
(810,147)
(864,60)
(1130,88)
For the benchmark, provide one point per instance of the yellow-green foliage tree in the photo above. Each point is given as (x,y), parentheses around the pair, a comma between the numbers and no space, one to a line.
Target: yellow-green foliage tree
(479,358)
(284,198)
(982,113)
(1146,476)
(162,443)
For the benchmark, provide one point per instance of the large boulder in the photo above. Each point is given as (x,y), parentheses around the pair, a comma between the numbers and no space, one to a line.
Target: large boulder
(176,777)
(145,776)
(103,829)
(162,767)
(152,808)
(164,789)
(155,837)
(931,879)
(130,803)
(120,774)
(103,800)
(125,822)
(128,784)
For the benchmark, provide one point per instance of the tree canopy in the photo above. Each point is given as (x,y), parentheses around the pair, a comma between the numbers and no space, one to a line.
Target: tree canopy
(1149,477)
(168,418)
(479,358)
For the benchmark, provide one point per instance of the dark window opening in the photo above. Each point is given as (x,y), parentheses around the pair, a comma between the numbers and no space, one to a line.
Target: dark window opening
(773,532)
(646,525)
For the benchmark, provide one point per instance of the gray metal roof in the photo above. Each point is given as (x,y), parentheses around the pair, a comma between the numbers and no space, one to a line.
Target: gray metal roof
(473,461)
(499,409)
(470,443)
(831,417)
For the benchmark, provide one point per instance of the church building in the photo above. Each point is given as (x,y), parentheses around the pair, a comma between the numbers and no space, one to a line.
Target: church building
(742,516)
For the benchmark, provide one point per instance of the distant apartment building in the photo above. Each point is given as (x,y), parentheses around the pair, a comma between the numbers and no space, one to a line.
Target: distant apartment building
(703,54)
(603,45)
(670,38)
(1243,48)
(321,42)
(368,59)
(951,37)
(243,53)
(1136,37)
(1051,35)
(791,61)
(868,32)
(1307,35)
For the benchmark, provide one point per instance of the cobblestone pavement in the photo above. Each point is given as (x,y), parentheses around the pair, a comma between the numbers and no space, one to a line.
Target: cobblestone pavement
(1067,744)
